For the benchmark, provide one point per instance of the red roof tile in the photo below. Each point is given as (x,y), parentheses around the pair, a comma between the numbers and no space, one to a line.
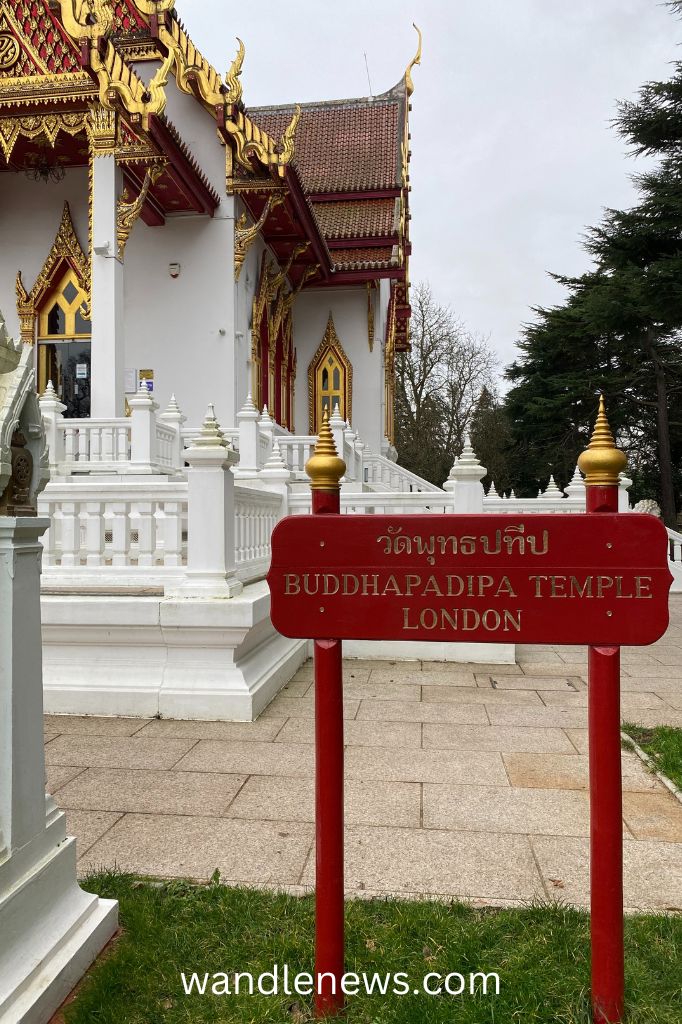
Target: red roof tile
(383,257)
(344,145)
(364,218)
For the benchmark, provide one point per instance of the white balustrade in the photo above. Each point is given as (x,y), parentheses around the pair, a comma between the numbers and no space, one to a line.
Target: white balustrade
(256,514)
(382,474)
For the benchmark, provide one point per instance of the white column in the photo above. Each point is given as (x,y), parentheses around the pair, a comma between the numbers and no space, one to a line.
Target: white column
(276,477)
(338,429)
(174,418)
(50,930)
(266,426)
(624,485)
(107,357)
(464,481)
(210,515)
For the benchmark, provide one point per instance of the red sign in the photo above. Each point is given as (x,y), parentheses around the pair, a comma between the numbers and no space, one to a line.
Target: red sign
(562,579)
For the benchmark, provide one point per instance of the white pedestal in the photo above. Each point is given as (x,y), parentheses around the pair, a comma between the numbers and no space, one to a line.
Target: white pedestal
(50,930)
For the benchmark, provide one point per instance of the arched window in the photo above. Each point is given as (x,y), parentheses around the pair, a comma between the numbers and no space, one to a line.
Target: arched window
(330,380)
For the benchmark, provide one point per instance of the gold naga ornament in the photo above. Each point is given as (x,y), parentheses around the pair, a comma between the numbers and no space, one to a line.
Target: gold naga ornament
(601,462)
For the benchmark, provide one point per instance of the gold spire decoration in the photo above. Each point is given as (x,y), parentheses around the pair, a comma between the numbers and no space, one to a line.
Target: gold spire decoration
(417,59)
(324,467)
(601,462)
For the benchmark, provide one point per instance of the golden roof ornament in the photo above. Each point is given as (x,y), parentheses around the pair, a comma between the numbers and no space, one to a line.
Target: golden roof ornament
(417,59)
(324,467)
(601,462)
(232,78)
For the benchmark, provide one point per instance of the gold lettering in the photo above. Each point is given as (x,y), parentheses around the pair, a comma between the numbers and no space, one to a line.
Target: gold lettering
(447,619)
(557,582)
(292,584)
(603,583)
(406,619)
(484,583)
(505,588)
(366,585)
(455,586)
(490,614)
(619,588)
(432,620)
(538,584)
(472,619)
(392,587)
(328,582)
(432,587)
(642,586)
(509,620)
(306,583)
(581,591)
(349,578)
(410,583)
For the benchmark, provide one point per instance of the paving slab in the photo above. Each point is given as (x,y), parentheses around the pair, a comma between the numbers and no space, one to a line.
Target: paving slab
(558,717)
(652,872)
(57,775)
(418,711)
(496,737)
(303,707)
(382,688)
(367,803)
(88,725)
(438,863)
(653,816)
(358,734)
(119,752)
(152,792)
(571,771)
(88,827)
(470,768)
(539,683)
(260,731)
(650,718)
(297,759)
(480,695)
(500,809)
(561,698)
(185,847)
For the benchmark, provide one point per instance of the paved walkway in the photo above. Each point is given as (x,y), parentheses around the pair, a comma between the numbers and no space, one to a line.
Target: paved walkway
(462,780)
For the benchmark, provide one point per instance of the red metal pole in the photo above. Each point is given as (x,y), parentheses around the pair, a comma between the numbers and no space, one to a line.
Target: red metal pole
(602,463)
(323,467)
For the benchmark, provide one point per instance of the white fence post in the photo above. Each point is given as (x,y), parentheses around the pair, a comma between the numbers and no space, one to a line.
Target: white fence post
(210,514)
(173,416)
(143,431)
(247,421)
(52,411)
(266,427)
(276,477)
(337,426)
(624,485)
(576,488)
(464,481)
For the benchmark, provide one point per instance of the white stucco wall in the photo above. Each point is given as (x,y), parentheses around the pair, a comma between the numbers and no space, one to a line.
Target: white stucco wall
(30,214)
(349,309)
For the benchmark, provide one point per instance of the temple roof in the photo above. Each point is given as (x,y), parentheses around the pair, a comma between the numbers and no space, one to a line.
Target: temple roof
(345,145)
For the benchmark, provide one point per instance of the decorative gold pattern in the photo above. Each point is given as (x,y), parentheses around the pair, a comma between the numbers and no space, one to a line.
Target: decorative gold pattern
(601,462)
(86,18)
(35,125)
(329,346)
(65,249)
(9,51)
(103,130)
(128,210)
(389,372)
(324,467)
(244,236)
(370,316)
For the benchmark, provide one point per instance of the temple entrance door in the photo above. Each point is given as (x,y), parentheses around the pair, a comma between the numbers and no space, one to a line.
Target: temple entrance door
(67,365)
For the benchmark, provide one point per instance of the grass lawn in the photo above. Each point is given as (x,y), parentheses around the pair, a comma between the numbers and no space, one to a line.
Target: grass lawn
(541,955)
(664,747)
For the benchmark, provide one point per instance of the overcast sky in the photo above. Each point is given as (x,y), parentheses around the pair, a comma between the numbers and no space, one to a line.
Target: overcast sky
(512,153)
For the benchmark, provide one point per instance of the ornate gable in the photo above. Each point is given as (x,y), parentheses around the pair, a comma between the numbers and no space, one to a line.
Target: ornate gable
(33,42)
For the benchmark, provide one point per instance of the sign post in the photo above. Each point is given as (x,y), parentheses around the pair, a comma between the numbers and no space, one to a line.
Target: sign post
(600,580)
(602,463)
(325,470)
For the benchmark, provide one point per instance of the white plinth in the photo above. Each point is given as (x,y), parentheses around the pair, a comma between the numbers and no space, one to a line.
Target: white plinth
(50,930)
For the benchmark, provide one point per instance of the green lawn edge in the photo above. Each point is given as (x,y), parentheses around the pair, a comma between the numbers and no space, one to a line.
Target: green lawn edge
(663,744)
(540,952)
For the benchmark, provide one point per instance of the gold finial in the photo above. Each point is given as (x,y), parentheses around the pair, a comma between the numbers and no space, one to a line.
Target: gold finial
(417,59)
(324,467)
(601,462)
